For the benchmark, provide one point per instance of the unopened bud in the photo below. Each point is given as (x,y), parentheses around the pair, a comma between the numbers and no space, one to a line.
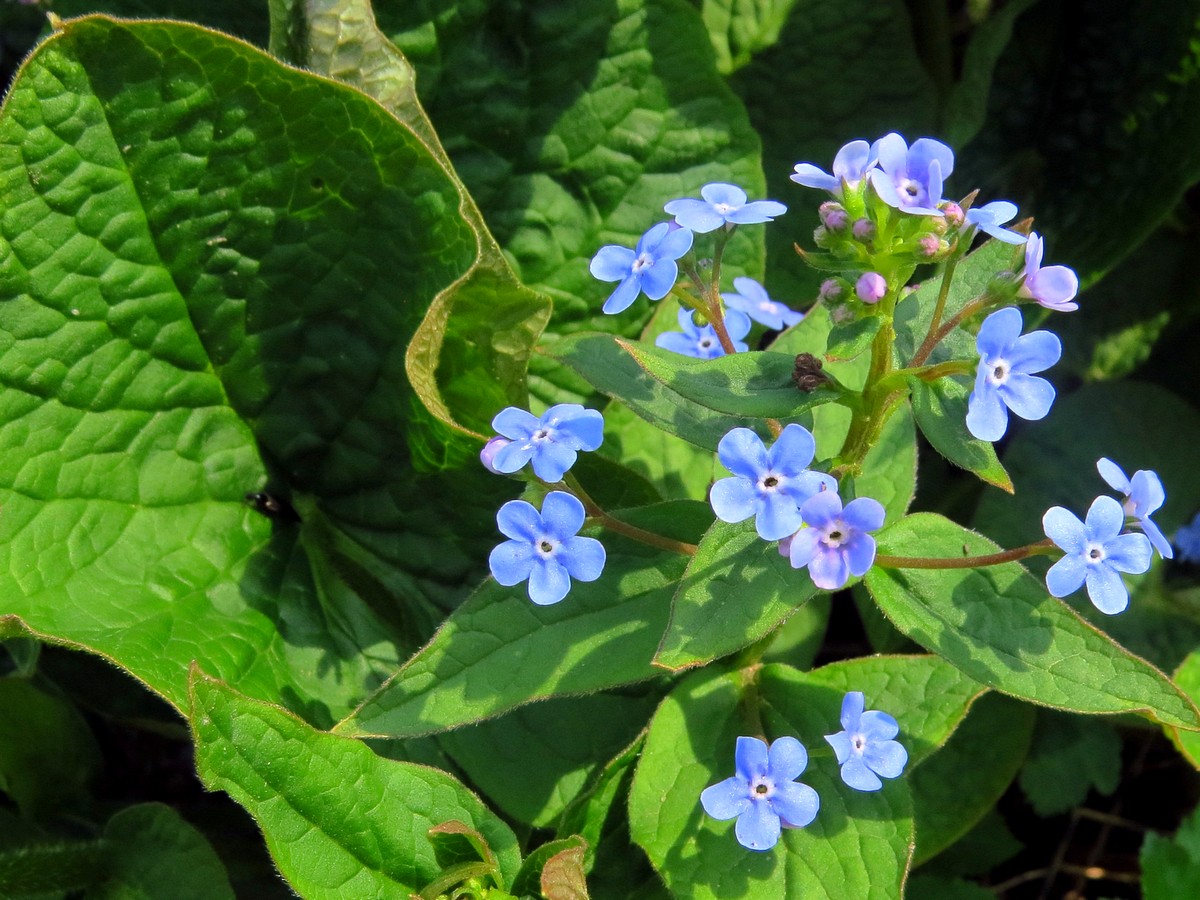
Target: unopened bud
(870,287)
(863,230)
(489,451)
(931,246)
(831,289)
(833,216)
(953,213)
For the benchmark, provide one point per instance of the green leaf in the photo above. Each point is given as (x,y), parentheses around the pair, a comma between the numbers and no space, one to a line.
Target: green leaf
(963,781)
(534,760)
(338,820)
(740,28)
(557,865)
(589,813)
(153,854)
(678,469)
(736,590)
(1187,677)
(1070,756)
(938,887)
(847,341)
(193,343)
(940,410)
(1000,626)
(498,651)
(48,756)
(800,638)
(44,871)
(1171,866)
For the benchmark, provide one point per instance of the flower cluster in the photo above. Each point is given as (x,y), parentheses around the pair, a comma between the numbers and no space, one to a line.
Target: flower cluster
(763,794)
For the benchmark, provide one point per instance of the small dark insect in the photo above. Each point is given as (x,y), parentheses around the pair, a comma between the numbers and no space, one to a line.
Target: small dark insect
(966,550)
(272,507)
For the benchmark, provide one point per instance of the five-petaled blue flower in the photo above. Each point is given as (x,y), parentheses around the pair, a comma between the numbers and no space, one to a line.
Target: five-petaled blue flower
(1005,379)
(1187,541)
(990,218)
(702,341)
(751,298)
(865,748)
(1054,287)
(764,794)
(849,168)
(1144,494)
(768,484)
(650,268)
(910,178)
(552,442)
(834,543)
(723,204)
(1096,553)
(545,547)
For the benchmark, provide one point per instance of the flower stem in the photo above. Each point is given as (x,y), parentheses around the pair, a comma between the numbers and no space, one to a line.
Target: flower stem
(1041,548)
(935,336)
(641,535)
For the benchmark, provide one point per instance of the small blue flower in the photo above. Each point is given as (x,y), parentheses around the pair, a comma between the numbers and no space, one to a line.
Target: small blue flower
(650,268)
(723,204)
(1005,379)
(1051,286)
(751,298)
(702,341)
(849,168)
(865,748)
(1144,494)
(767,484)
(1096,553)
(545,547)
(834,543)
(991,217)
(1187,541)
(552,442)
(764,794)
(910,178)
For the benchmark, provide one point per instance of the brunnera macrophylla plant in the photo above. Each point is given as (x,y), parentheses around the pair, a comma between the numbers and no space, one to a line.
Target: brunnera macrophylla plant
(257,338)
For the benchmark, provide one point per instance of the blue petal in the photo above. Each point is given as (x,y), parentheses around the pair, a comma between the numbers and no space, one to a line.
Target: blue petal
(1066,576)
(1128,553)
(1146,492)
(1054,287)
(933,184)
(886,758)
(1029,396)
(697,215)
(750,289)
(786,759)
(926,151)
(623,296)
(512,457)
(726,799)
(885,189)
(842,746)
(860,554)
(658,279)
(515,424)
(1106,590)
(734,499)
(723,192)
(853,705)
(654,236)
(795,804)
(805,544)
(810,176)
(583,558)
(678,343)
(758,827)
(612,263)
(562,514)
(750,758)
(1157,538)
(987,416)
(821,509)
(792,451)
(864,514)
(1113,474)
(1035,351)
(756,212)
(548,582)
(582,430)
(519,520)
(891,151)
(856,774)
(878,726)
(829,568)
(737,326)
(852,161)
(674,244)
(511,562)
(1105,519)
(741,451)
(999,332)
(551,460)
(1064,528)
(777,517)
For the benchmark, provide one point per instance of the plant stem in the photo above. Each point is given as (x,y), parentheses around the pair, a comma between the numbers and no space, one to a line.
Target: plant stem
(641,535)
(935,336)
(1041,548)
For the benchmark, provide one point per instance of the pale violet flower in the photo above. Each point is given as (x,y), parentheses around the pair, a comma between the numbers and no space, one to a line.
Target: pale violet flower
(545,548)
(1005,379)
(990,218)
(767,484)
(648,269)
(1144,494)
(1096,553)
(751,298)
(763,794)
(865,749)
(552,441)
(834,542)
(849,168)
(723,204)
(910,178)
(1053,287)
(701,341)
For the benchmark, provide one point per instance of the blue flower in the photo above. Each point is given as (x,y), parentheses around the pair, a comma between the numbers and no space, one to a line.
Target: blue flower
(834,543)
(545,547)
(702,341)
(767,484)
(849,167)
(1144,494)
(751,298)
(650,268)
(764,794)
(723,204)
(552,442)
(991,218)
(865,748)
(1052,286)
(1096,553)
(1187,541)
(910,178)
(1005,379)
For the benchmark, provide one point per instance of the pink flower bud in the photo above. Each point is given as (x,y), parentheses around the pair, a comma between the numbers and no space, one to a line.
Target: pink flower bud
(863,229)
(929,245)
(953,213)
(870,287)
(489,451)
(833,216)
(831,289)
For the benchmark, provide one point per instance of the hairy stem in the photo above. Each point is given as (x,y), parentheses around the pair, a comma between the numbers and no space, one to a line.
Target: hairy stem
(1041,548)
(641,535)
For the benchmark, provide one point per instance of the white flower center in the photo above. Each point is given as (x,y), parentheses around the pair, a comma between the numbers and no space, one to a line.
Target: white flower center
(1094,553)
(542,434)
(767,306)
(999,371)
(1130,507)
(644,261)
(762,788)
(836,535)
(910,191)
(858,742)
(724,208)
(546,547)
(769,482)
